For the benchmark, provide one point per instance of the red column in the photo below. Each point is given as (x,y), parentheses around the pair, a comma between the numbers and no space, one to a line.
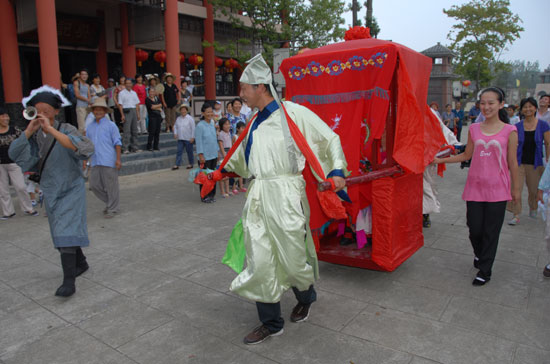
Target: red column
(183,71)
(47,42)
(172,44)
(9,54)
(101,55)
(208,52)
(128,51)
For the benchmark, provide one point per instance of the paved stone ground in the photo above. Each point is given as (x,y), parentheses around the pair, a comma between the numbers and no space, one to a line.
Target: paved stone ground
(157,293)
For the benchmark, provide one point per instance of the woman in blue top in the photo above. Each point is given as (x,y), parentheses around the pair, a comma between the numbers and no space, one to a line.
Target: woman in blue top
(235,116)
(206,140)
(532,134)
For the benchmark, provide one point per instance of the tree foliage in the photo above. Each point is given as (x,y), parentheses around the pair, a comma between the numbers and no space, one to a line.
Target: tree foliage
(370,20)
(373,26)
(483,30)
(299,23)
(525,72)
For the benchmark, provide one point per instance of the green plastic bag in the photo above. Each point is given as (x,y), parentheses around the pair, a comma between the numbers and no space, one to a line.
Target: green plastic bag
(235,251)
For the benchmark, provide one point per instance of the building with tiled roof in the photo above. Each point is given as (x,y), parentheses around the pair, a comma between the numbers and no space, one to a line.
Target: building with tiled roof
(441,77)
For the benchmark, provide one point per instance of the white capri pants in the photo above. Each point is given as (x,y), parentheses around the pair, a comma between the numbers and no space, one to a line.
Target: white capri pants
(12,172)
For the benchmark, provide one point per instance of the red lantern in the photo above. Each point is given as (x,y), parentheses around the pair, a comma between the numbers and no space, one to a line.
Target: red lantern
(218,62)
(466,83)
(195,60)
(231,64)
(160,57)
(182,57)
(235,63)
(141,56)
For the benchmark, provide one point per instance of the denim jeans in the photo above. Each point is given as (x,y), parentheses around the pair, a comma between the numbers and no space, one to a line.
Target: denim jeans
(188,146)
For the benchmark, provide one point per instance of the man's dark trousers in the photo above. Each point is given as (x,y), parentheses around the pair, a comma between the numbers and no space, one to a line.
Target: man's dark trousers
(270,313)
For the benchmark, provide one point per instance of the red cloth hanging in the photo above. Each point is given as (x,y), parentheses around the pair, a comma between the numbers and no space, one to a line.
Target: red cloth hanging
(328,199)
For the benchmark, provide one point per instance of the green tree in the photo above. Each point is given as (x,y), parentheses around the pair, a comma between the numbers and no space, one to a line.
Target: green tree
(525,72)
(296,23)
(370,20)
(317,23)
(483,30)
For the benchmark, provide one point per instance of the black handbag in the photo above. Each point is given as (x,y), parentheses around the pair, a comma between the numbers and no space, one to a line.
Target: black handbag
(36,177)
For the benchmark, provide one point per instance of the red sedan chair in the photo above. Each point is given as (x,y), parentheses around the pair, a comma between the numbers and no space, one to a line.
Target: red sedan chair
(373,94)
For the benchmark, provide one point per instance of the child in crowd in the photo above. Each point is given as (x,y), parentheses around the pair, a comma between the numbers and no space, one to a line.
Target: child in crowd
(32,189)
(492,146)
(239,183)
(225,142)
(184,132)
(218,111)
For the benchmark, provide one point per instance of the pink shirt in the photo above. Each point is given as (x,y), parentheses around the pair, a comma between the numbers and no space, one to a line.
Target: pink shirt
(488,178)
(141,93)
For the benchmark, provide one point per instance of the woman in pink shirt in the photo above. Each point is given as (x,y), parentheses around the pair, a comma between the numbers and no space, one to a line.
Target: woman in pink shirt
(492,146)
(141,92)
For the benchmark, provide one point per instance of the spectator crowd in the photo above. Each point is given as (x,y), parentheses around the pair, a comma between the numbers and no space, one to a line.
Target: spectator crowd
(151,105)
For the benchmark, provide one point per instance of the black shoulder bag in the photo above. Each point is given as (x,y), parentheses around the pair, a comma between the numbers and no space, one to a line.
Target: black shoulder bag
(36,177)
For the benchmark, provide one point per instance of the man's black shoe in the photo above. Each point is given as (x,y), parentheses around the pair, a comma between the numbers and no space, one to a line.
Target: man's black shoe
(300,312)
(260,334)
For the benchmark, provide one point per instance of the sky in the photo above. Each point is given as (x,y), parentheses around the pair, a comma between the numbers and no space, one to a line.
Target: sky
(420,24)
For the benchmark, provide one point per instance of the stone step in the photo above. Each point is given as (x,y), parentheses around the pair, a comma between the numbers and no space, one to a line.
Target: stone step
(163,143)
(147,161)
(163,136)
(146,154)
(146,165)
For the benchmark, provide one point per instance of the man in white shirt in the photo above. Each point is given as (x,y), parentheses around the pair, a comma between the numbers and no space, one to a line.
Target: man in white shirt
(128,104)
(184,133)
(189,87)
(543,113)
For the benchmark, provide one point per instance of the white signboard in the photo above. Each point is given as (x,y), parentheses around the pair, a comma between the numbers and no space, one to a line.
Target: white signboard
(457,89)
(279,54)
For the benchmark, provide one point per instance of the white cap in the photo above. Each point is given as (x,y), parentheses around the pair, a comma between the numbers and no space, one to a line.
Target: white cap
(257,71)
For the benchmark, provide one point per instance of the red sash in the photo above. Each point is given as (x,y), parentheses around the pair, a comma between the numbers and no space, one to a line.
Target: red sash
(329,200)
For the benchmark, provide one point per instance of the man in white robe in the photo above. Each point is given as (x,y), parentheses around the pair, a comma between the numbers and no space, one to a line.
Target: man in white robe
(280,253)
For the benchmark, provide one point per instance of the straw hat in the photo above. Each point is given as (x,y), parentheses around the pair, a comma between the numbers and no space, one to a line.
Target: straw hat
(168,74)
(185,106)
(99,102)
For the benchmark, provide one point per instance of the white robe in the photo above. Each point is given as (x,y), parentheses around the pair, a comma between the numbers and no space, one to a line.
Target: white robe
(430,203)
